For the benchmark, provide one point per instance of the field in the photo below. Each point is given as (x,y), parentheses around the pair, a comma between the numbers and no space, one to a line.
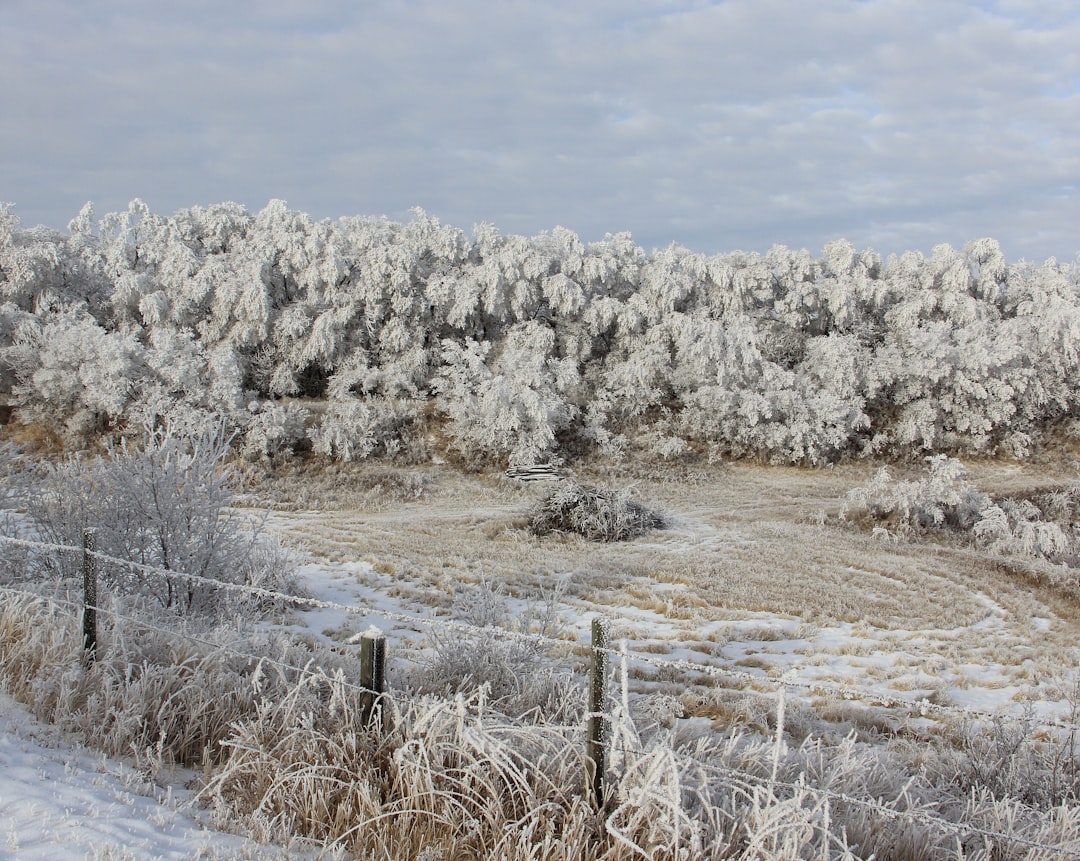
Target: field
(798,679)
(824,657)
(757,570)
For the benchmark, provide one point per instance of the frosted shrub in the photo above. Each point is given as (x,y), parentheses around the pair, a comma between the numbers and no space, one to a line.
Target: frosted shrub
(1008,759)
(355,430)
(73,374)
(166,505)
(1016,526)
(508,403)
(1043,527)
(275,430)
(594,513)
(514,669)
(943,499)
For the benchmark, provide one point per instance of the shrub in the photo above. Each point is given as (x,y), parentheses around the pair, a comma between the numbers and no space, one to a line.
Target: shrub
(514,669)
(275,430)
(942,499)
(167,506)
(594,513)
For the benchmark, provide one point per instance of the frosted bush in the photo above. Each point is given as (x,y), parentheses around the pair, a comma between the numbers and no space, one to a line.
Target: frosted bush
(275,430)
(347,432)
(942,499)
(73,374)
(514,669)
(594,513)
(167,505)
(507,404)
(1044,527)
(1017,527)
(665,446)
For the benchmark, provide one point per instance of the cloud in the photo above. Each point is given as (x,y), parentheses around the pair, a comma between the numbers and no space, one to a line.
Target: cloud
(743,123)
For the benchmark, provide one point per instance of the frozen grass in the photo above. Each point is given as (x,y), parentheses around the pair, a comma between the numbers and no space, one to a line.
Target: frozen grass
(517,673)
(285,755)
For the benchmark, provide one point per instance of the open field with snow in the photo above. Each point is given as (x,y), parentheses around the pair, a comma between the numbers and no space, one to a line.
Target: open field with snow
(891,648)
(757,571)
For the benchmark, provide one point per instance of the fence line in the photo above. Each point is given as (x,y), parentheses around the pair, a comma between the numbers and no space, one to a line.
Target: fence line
(75,607)
(745,777)
(921,707)
(310,669)
(294,600)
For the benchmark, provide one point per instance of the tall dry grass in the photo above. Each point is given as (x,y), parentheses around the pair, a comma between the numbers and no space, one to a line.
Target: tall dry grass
(276,728)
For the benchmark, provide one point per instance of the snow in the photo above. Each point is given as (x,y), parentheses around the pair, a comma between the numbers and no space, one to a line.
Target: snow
(60,800)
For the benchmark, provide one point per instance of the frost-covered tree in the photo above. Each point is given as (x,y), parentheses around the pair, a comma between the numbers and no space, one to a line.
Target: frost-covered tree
(508,403)
(358,429)
(794,358)
(72,373)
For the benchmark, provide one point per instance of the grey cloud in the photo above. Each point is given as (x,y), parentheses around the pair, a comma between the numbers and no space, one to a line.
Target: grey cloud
(895,123)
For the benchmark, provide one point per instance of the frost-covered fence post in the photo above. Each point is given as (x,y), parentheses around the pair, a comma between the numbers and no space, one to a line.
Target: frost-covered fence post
(595,753)
(372,672)
(89,569)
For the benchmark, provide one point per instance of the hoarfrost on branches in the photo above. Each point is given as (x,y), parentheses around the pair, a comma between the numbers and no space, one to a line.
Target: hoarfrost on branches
(539,347)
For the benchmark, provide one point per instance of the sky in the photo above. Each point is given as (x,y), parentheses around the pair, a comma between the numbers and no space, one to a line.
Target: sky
(740,124)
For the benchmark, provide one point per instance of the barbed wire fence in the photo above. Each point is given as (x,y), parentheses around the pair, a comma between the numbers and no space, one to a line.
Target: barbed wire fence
(372,685)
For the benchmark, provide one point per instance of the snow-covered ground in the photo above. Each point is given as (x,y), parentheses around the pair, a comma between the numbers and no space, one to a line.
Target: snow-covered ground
(750,589)
(59,800)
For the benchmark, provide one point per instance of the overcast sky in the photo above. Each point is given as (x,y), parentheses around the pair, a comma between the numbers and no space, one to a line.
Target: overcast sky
(897,124)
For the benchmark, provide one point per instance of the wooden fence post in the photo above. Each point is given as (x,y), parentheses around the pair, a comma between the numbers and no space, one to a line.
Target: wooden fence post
(596,750)
(372,673)
(89,569)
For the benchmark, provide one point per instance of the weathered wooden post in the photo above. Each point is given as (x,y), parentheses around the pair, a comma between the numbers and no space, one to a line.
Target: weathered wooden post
(89,568)
(596,750)
(372,673)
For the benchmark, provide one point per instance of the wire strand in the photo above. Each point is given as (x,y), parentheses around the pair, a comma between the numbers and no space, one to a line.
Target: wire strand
(921,708)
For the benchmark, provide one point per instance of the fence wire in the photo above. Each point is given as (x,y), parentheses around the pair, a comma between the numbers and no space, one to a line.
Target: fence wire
(921,708)
(746,778)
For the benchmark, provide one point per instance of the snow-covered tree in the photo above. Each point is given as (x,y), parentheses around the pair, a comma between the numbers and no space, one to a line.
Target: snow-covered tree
(72,373)
(508,404)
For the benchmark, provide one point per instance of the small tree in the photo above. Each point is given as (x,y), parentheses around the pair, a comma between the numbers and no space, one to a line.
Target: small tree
(166,505)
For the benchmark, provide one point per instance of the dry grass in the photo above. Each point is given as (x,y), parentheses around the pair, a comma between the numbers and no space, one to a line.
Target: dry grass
(740,547)
(287,756)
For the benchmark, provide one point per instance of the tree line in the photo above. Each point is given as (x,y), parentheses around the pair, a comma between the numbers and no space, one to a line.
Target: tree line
(363,337)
